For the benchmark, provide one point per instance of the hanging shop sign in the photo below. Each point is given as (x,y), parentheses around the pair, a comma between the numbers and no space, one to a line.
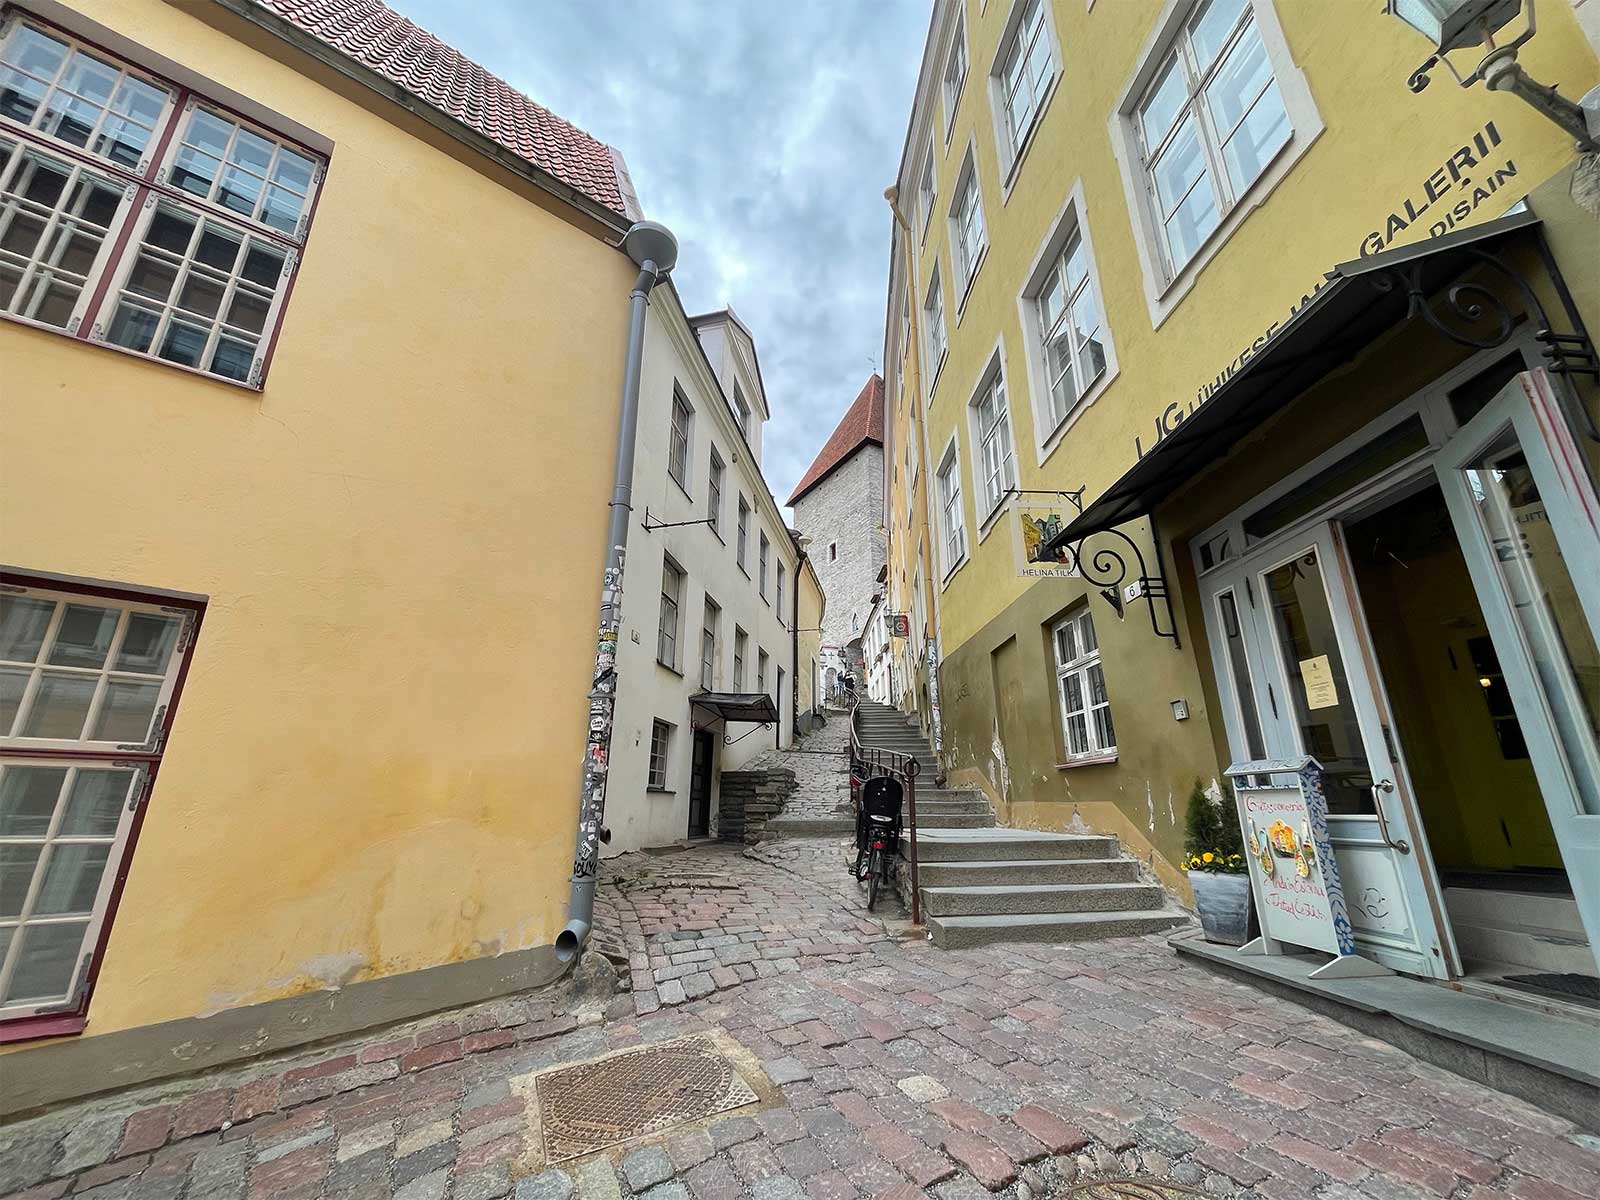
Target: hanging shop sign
(898,624)
(1035,525)
(1293,872)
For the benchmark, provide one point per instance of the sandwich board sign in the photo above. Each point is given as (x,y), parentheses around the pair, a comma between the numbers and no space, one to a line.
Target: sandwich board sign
(1294,876)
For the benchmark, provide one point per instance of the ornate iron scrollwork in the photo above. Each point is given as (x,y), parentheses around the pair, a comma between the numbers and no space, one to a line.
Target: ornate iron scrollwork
(1108,568)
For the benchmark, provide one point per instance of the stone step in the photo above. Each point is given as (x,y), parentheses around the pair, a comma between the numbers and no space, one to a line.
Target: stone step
(1040,898)
(783,827)
(1010,845)
(952,933)
(949,820)
(973,804)
(1035,871)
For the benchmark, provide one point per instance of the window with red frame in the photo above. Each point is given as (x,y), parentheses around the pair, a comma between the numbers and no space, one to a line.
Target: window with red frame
(88,684)
(136,213)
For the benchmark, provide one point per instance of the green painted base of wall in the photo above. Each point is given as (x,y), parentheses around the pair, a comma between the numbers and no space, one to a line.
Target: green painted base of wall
(75,1068)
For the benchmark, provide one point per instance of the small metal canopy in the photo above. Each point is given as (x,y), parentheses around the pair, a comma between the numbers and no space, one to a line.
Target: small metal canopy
(1362,300)
(754,707)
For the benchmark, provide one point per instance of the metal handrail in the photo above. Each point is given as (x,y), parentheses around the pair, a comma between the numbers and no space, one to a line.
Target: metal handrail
(876,762)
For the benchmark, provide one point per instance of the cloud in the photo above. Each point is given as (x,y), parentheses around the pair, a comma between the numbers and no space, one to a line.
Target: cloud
(763,135)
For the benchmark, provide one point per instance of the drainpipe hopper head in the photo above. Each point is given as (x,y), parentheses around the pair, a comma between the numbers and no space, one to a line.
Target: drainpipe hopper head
(649,242)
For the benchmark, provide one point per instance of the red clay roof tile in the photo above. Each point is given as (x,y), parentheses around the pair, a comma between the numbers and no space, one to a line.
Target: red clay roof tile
(376,36)
(862,423)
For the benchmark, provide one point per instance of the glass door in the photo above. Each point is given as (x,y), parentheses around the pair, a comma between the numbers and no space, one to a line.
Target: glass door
(1523,504)
(1290,657)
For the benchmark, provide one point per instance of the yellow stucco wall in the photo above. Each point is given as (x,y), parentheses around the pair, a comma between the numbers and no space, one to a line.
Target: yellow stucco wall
(812,604)
(375,762)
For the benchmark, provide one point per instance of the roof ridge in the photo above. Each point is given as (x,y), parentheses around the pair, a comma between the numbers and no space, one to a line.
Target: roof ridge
(861,424)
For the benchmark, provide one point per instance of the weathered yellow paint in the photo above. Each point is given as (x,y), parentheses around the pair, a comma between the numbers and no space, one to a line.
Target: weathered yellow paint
(808,626)
(375,762)
(1378,144)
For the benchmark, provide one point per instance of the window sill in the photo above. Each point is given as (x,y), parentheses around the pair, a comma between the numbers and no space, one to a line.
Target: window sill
(669,667)
(242,385)
(661,791)
(1088,760)
(966,290)
(988,523)
(1081,405)
(27,1029)
(680,484)
(716,534)
(1009,180)
(938,374)
(953,571)
(743,572)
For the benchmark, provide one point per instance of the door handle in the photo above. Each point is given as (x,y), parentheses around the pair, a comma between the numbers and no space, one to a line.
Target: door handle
(1378,789)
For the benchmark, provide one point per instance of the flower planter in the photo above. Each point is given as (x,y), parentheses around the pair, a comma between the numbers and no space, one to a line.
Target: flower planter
(1224,905)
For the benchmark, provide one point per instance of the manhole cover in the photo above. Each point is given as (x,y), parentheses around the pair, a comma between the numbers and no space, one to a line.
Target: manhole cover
(1130,1189)
(634,1094)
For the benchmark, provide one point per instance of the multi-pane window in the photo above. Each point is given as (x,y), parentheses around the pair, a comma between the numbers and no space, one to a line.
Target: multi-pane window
(967,234)
(933,325)
(678,440)
(708,643)
(761,670)
(955,72)
(741,410)
(1069,316)
(763,553)
(744,535)
(993,423)
(86,683)
(1209,124)
(198,293)
(740,642)
(782,571)
(714,492)
(777,695)
(1025,73)
(1085,708)
(833,551)
(183,255)
(952,527)
(660,743)
(667,619)
(926,191)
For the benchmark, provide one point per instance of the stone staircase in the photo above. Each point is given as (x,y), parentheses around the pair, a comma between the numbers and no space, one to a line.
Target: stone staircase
(984,883)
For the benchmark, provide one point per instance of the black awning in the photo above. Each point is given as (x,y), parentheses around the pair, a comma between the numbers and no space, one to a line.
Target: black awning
(753,707)
(1345,317)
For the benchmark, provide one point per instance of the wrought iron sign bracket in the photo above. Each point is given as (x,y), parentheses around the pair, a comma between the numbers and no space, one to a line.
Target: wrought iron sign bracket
(728,741)
(648,527)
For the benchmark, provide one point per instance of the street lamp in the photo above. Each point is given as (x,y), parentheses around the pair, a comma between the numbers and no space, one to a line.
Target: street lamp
(1457,24)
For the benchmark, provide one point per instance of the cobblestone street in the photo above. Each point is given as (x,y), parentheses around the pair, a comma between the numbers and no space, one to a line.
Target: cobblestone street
(890,1067)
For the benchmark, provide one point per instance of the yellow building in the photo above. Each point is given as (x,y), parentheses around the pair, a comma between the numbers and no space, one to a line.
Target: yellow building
(1218,358)
(810,608)
(309,393)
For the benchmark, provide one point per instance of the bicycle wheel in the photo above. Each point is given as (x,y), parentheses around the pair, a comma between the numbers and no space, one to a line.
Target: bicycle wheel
(859,871)
(874,869)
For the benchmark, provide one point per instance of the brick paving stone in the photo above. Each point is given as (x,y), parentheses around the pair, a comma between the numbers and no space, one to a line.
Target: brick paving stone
(777,1187)
(597,1180)
(713,1180)
(428,1187)
(647,1167)
(1056,1135)
(730,1131)
(988,1164)
(491,1183)
(554,1184)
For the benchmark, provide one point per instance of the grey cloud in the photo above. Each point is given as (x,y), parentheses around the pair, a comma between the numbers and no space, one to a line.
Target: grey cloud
(763,134)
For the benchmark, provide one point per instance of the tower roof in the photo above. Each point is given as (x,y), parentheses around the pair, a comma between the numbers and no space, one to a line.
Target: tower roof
(862,423)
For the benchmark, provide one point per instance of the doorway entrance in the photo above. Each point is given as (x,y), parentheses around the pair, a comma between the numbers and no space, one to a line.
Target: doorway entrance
(700,783)
(1417,611)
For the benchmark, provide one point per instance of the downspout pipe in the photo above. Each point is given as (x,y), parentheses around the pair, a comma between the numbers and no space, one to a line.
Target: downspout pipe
(653,248)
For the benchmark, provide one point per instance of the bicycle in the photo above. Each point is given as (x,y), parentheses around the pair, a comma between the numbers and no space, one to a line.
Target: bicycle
(878,835)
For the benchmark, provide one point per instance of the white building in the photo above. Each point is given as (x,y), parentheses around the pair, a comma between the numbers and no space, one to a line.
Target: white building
(708,589)
(875,652)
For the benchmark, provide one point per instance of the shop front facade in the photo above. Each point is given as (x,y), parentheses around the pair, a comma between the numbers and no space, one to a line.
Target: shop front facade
(1227,448)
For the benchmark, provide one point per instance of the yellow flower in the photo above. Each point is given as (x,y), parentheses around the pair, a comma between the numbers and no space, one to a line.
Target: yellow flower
(1206,857)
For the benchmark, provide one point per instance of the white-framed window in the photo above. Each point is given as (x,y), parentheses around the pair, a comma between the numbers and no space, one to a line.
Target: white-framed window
(968,239)
(919,617)
(927,192)
(88,681)
(952,522)
(1081,683)
(955,73)
(1220,101)
(991,434)
(743,538)
(678,439)
(778,599)
(777,695)
(741,409)
(761,670)
(183,256)
(933,328)
(708,644)
(714,492)
(833,551)
(764,552)
(1025,68)
(667,620)
(660,745)
(741,643)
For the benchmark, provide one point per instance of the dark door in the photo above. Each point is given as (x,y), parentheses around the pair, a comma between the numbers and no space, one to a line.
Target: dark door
(700,785)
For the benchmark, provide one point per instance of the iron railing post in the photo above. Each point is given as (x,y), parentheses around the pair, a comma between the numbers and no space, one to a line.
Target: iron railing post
(911,804)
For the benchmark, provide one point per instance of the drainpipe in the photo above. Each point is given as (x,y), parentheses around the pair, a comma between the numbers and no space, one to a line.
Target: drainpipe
(655,251)
(914,317)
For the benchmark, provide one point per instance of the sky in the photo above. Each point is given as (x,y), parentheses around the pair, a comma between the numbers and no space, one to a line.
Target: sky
(762,133)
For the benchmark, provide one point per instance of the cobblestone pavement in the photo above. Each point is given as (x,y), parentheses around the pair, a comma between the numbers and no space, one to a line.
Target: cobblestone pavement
(821,771)
(887,1068)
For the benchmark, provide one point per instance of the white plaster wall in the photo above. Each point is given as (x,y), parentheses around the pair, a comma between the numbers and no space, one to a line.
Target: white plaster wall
(846,508)
(647,691)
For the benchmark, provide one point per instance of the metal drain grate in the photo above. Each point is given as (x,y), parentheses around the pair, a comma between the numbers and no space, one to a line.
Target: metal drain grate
(1130,1189)
(634,1094)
